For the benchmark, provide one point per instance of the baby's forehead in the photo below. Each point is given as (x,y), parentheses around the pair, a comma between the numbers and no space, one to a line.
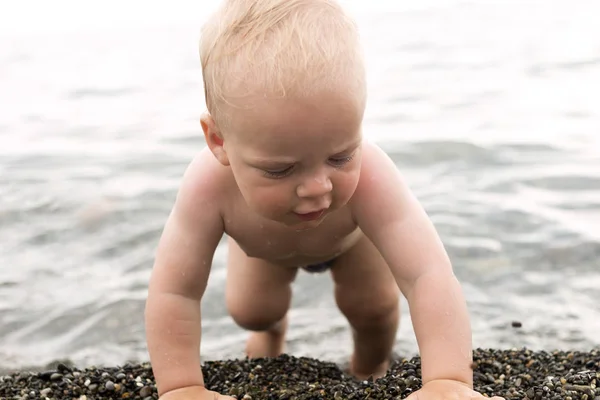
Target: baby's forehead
(293,126)
(327,106)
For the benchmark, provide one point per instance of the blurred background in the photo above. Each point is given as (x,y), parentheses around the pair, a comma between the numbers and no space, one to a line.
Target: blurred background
(491,109)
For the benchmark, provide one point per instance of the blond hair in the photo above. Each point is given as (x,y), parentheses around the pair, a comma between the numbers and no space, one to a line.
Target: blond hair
(278,48)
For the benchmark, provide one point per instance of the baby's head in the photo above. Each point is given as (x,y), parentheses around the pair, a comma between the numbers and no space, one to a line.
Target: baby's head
(285,90)
(278,49)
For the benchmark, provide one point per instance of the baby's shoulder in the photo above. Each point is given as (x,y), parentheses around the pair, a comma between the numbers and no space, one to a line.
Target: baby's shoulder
(206,180)
(371,152)
(379,175)
(375,163)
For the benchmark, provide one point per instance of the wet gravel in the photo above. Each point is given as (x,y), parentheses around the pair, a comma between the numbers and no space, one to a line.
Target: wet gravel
(513,374)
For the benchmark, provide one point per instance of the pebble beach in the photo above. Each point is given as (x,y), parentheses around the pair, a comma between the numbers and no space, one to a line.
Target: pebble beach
(511,373)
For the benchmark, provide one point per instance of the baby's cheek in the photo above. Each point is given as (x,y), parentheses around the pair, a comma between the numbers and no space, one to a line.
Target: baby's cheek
(345,187)
(272,199)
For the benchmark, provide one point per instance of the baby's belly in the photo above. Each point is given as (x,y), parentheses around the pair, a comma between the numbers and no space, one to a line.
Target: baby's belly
(298,251)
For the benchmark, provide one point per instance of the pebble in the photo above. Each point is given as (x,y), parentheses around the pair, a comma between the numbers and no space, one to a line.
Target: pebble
(513,374)
(145,392)
(56,376)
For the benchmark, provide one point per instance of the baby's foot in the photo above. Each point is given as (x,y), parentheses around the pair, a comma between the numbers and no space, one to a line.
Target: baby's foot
(364,372)
(269,343)
(264,344)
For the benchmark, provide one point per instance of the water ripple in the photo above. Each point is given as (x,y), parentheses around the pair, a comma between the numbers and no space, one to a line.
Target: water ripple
(495,130)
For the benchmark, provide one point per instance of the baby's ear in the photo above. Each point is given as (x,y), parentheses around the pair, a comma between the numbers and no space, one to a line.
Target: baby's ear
(214,138)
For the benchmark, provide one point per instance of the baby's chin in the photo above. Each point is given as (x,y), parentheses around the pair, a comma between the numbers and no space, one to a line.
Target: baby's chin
(291,222)
(307,225)
(304,228)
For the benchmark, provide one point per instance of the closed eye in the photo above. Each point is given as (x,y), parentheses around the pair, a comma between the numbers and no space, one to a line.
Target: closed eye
(279,173)
(339,162)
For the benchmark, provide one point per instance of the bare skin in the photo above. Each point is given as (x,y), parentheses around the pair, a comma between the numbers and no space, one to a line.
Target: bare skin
(254,184)
(365,292)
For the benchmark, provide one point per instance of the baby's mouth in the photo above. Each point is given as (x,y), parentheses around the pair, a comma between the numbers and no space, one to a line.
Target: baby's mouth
(311,216)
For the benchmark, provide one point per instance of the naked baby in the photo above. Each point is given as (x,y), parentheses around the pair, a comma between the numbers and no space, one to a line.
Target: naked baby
(290,180)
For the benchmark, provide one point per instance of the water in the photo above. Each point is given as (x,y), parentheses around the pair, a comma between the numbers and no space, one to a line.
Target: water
(489,108)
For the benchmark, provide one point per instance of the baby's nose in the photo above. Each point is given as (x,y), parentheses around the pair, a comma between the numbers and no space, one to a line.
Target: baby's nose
(316,186)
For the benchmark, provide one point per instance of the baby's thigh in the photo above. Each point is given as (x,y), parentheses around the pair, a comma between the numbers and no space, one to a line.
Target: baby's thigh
(365,289)
(258,293)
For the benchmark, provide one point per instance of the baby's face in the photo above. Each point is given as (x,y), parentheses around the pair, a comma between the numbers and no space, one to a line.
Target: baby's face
(295,161)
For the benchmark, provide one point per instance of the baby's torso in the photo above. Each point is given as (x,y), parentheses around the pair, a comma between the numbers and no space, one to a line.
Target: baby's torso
(261,238)
(272,241)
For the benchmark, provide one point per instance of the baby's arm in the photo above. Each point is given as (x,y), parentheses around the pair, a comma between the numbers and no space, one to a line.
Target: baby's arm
(393,219)
(179,277)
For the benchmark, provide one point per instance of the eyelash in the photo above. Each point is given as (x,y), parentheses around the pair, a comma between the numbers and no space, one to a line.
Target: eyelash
(278,174)
(336,163)
(340,162)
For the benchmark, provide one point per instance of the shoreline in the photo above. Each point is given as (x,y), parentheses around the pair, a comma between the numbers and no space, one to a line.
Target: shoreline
(511,373)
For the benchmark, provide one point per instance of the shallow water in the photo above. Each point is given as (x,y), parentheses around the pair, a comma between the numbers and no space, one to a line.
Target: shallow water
(490,109)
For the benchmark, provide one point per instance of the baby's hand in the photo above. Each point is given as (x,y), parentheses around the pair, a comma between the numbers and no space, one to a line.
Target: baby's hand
(444,389)
(194,393)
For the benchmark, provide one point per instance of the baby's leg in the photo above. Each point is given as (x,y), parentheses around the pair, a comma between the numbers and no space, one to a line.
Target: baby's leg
(258,295)
(367,294)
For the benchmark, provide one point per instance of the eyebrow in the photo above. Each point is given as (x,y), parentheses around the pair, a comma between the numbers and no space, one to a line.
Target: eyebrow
(281,161)
(350,147)
(271,161)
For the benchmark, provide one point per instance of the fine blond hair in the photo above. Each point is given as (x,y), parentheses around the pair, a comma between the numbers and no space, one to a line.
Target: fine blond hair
(278,48)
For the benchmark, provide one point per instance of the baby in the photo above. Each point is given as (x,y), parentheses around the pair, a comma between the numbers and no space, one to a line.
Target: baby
(289,178)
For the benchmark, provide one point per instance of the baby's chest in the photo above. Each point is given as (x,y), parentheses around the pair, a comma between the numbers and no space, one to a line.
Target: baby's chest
(273,242)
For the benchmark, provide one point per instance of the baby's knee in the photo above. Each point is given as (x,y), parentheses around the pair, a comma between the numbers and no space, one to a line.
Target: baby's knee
(257,320)
(256,317)
(376,314)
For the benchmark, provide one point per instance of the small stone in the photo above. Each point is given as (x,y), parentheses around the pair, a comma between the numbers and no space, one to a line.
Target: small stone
(56,376)
(110,386)
(23,375)
(46,374)
(145,391)
(63,369)
(516,324)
